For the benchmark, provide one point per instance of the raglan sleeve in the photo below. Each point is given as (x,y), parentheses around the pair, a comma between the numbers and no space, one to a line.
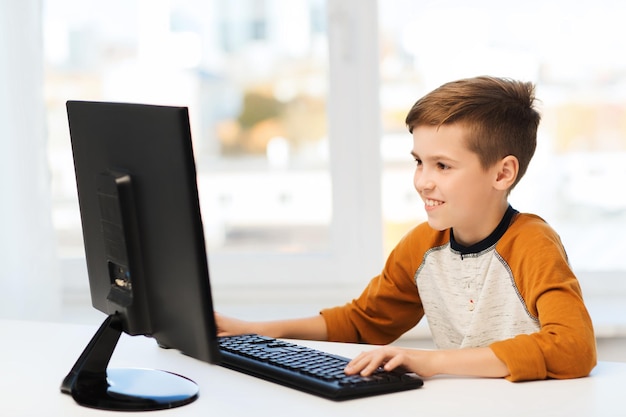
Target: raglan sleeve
(389,306)
(564,347)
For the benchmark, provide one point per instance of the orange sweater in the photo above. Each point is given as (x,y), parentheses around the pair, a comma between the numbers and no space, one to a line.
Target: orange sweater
(541,297)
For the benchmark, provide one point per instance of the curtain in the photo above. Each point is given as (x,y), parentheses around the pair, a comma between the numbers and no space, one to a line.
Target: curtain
(29,272)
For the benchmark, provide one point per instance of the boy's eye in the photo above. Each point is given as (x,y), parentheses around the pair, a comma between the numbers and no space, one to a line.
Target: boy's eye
(418,161)
(441,165)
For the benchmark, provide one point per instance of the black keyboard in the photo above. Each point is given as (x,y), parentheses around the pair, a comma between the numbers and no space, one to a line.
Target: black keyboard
(307,369)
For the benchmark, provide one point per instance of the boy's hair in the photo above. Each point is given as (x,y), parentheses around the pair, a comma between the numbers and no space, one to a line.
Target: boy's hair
(499,115)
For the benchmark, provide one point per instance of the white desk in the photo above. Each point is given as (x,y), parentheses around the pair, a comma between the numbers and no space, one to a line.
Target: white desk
(37,356)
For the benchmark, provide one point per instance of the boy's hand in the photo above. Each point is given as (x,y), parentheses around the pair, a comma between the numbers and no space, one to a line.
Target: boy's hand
(480,362)
(228,326)
(390,358)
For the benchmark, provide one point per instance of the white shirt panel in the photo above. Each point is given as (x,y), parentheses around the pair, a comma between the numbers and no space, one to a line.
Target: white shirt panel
(471,301)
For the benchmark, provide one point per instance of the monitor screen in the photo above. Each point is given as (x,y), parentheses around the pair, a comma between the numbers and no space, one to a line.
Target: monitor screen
(143,236)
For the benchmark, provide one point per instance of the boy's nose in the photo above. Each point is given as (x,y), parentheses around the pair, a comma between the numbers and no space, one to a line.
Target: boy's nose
(422,183)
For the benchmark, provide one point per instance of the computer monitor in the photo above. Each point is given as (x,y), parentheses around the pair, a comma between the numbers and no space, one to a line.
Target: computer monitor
(145,250)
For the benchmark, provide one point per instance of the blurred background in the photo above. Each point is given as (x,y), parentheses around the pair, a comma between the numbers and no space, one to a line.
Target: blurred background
(297,110)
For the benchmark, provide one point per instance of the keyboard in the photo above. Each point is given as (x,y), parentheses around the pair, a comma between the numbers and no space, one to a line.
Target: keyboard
(306,369)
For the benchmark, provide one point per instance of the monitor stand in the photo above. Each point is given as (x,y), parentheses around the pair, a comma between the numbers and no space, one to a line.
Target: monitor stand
(91,384)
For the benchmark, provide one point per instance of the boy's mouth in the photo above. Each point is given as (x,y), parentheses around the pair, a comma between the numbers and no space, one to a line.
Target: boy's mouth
(432,203)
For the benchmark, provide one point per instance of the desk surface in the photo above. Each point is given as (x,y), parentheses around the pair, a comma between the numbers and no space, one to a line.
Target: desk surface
(35,357)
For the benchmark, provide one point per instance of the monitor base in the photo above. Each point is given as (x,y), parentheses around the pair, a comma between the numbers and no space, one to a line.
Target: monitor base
(92,384)
(134,389)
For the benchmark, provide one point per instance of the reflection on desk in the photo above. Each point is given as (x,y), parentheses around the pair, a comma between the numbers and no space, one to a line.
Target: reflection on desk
(36,357)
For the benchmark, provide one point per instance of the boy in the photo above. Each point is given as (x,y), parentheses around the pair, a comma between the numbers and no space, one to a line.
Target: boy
(494,284)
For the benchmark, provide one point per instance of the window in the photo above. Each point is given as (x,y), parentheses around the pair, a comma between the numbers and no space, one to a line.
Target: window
(286,214)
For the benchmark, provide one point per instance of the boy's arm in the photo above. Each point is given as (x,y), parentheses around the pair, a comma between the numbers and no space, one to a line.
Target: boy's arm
(473,362)
(479,362)
(565,345)
(563,348)
(310,328)
(390,304)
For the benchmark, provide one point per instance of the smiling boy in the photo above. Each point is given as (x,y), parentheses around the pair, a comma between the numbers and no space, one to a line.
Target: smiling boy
(494,284)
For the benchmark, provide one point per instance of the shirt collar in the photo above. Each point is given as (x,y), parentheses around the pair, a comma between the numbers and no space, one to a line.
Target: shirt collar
(490,240)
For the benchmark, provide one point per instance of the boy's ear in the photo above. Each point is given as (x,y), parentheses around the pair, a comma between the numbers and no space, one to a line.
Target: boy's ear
(508,168)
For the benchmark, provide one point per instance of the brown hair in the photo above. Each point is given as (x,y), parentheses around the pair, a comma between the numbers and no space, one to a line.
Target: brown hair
(499,115)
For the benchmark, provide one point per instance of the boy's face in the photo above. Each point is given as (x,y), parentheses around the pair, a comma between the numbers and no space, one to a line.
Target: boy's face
(457,191)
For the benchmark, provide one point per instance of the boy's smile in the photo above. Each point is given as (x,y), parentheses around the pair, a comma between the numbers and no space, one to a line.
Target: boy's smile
(457,191)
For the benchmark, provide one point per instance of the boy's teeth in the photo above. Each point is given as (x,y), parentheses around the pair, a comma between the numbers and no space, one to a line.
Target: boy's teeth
(432,203)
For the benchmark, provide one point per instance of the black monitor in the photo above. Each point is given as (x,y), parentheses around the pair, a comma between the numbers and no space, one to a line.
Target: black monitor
(145,250)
